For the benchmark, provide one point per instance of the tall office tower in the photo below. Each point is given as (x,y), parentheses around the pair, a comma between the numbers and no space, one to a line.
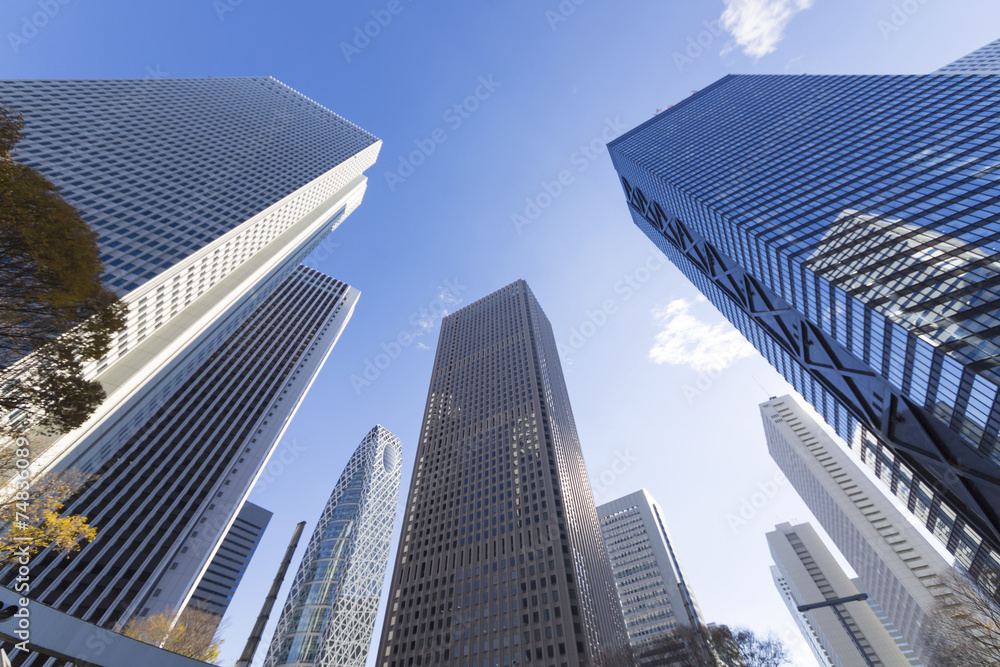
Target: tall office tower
(985,60)
(849,227)
(887,623)
(899,567)
(222,577)
(204,194)
(165,499)
(808,574)
(653,591)
(330,612)
(801,620)
(501,558)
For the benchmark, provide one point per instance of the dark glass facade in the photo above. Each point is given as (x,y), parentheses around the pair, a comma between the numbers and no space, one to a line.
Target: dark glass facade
(165,499)
(501,560)
(160,168)
(849,226)
(219,583)
(981,61)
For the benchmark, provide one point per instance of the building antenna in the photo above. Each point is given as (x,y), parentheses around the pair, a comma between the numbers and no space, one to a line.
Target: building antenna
(766,392)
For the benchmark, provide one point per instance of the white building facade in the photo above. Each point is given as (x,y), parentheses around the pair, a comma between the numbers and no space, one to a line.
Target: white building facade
(164,501)
(805,626)
(898,566)
(204,194)
(850,634)
(651,585)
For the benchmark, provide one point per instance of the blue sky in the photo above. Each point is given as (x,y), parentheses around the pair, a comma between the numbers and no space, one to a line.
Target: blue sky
(516,183)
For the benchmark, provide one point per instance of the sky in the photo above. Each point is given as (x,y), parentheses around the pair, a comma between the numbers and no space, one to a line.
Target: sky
(515,182)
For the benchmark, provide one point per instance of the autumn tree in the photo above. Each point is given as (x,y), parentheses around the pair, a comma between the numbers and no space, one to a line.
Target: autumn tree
(55,313)
(964,628)
(195,634)
(34,522)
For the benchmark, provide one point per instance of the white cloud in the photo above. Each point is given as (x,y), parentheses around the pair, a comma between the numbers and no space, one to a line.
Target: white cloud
(687,341)
(422,346)
(758,25)
(425,319)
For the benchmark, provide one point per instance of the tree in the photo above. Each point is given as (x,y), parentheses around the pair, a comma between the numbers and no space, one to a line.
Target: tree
(757,651)
(965,625)
(684,647)
(55,313)
(718,646)
(725,647)
(620,656)
(195,634)
(33,520)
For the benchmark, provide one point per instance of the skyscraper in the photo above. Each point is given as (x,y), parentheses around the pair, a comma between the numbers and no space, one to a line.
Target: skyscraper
(165,499)
(897,565)
(801,620)
(222,577)
(985,60)
(501,559)
(205,194)
(806,574)
(651,585)
(329,616)
(789,200)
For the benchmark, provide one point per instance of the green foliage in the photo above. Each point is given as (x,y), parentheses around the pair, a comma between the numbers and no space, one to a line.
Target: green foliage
(55,313)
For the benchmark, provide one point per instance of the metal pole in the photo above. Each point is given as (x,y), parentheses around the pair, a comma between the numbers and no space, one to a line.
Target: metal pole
(829,603)
(265,612)
(832,604)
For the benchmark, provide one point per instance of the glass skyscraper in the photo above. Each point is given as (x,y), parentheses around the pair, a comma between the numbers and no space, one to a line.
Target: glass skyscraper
(849,226)
(331,609)
(166,498)
(219,583)
(501,560)
(205,194)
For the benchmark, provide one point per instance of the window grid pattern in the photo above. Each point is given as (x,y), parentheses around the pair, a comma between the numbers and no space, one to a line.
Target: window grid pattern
(913,171)
(651,585)
(870,219)
(985,60)
(182,180)
(500,559)
(330,613)
(218,585)
(647,610)
(155,500)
